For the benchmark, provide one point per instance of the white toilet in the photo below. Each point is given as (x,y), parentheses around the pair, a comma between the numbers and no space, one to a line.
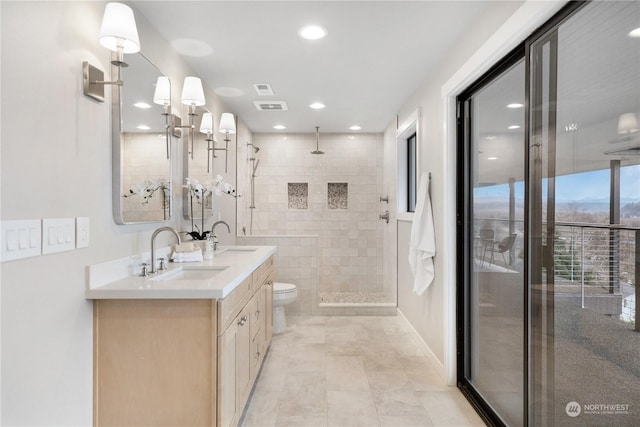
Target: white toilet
(283,294)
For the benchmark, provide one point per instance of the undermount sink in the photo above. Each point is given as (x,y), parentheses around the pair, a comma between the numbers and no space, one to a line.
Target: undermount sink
(191,273)
(232,249)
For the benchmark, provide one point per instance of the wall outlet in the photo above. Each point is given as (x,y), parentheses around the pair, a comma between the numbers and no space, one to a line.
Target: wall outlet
(21,239)
(82,232)
(58,235)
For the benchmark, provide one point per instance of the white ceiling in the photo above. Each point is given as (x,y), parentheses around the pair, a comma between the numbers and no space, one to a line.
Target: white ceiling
(375,56)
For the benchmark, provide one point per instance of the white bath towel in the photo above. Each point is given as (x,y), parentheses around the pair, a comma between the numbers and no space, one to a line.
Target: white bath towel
(186,247)
(422,246)
(194,256)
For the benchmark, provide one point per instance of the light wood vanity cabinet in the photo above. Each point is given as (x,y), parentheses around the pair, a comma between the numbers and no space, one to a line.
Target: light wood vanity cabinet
(242,343)
(189,362)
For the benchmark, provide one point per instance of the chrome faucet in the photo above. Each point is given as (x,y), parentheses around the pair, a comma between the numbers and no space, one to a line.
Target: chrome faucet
(153,244)
(213,233)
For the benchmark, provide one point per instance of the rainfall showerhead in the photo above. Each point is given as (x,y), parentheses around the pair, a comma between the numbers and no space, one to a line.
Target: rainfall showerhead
(254,147)
(317,150)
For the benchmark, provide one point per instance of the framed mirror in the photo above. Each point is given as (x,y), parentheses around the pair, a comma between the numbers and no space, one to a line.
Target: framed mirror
(198,164)
(141,145)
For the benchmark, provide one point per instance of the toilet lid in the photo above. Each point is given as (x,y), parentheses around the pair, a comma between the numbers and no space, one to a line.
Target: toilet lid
(280,287)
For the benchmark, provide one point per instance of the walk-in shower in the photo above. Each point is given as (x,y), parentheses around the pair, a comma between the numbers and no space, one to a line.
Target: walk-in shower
(322,213)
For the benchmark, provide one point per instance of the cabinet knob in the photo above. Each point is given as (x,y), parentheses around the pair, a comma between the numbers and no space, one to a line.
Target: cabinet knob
(242,320)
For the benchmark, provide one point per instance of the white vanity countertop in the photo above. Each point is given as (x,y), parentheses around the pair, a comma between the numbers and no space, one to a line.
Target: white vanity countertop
(238,263)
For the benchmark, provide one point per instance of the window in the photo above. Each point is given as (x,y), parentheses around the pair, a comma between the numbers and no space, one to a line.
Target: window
(411,173)
(407,137)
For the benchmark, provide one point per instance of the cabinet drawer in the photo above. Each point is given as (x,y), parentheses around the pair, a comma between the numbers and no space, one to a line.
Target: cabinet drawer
(229,307)
(261,273)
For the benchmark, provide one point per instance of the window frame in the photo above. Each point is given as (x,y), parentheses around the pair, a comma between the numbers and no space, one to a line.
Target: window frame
(409,128)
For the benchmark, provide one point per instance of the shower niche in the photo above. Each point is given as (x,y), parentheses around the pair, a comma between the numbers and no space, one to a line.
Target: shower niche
(298,195)
(337,195)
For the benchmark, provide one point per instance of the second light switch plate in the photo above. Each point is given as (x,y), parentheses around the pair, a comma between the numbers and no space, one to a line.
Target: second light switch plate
(58,235)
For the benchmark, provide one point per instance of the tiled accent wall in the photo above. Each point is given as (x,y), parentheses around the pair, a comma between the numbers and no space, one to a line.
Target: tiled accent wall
(298,195)
(296,261)
(390,235)
(350,241)
(338,195)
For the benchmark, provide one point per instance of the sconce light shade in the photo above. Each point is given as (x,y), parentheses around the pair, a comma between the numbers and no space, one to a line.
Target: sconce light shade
(162,94)
(119,29)
(206,126)
(627,123)
(192,92)
(227,124)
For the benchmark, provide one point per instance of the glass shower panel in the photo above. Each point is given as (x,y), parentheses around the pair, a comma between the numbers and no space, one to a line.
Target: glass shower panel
(584,218)
(496,283)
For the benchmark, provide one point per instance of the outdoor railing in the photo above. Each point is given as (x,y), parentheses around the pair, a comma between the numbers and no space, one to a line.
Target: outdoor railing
(602,259)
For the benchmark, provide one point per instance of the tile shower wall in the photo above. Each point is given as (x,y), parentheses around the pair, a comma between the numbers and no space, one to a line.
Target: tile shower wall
(296,261)
(350,235)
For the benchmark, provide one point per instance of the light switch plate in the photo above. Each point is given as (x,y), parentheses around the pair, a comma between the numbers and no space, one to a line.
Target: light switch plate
(21,239)
(58,235)
(82,232)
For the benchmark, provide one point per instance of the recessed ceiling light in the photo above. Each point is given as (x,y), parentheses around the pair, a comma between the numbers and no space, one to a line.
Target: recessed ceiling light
(515,105)
(144,127)
(490,137)
(492,158)
(280,127)
(355,127)
(317,106)
(512,127)
(141,105)
(312,32)
(635,33)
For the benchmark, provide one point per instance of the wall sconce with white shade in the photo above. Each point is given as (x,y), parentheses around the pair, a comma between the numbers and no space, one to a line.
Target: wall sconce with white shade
(119,34)
(228,127)
(192,96)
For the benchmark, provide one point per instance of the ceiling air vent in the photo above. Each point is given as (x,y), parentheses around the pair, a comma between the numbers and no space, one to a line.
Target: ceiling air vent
(263,89)
(271,105)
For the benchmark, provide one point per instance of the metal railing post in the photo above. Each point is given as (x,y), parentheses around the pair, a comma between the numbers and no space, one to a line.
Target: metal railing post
(635,279)
(582,267)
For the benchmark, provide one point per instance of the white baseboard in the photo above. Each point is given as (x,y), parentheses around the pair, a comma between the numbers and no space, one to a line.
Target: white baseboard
(437,364)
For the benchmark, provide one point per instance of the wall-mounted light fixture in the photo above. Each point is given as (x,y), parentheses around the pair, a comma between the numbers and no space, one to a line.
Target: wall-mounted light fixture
(119,34)
(228,127)
(192,96)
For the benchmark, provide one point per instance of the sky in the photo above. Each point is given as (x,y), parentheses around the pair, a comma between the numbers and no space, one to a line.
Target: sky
(580,187)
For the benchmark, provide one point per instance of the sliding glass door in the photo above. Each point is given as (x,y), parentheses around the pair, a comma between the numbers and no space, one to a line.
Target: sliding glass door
(549,222)
(494,128)
(585,194)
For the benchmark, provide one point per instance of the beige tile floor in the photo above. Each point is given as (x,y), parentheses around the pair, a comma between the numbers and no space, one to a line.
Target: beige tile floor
(352,371)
